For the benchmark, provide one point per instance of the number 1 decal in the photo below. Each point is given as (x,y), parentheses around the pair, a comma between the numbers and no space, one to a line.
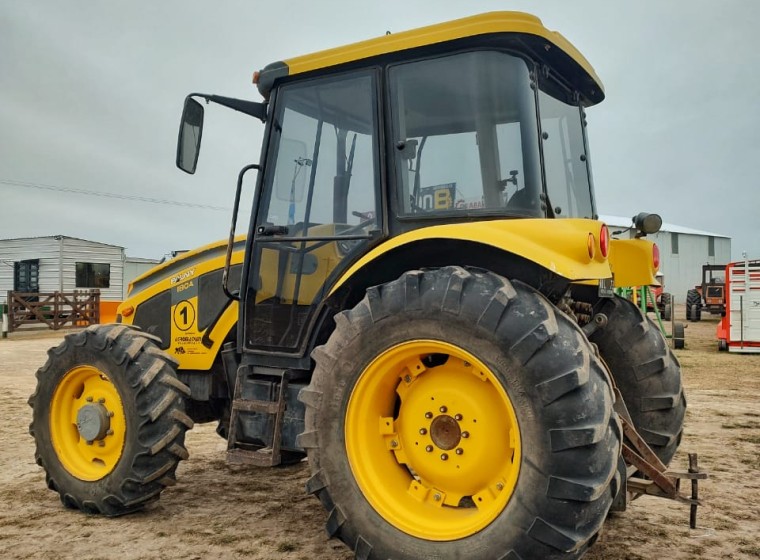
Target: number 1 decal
(184,315)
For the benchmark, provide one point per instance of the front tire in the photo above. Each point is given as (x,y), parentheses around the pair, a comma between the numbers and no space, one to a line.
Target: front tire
(108,420)
(453,414)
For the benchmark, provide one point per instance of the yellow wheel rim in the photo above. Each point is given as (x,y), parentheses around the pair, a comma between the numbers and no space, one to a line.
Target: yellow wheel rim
(434,448)
(87,423)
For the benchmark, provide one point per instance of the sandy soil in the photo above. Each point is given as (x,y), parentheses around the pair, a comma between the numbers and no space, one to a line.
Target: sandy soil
(217,511)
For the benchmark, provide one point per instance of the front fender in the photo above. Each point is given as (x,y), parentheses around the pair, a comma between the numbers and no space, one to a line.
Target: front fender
(560,246)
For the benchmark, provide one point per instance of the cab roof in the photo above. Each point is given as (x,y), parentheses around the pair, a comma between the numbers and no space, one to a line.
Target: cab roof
(533,40)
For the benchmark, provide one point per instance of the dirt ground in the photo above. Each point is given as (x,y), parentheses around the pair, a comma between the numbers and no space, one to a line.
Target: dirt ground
(217,511)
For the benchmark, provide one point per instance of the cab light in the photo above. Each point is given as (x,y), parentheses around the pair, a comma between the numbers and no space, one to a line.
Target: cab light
(655,256)
(127,311)
(591,244)
(604,240)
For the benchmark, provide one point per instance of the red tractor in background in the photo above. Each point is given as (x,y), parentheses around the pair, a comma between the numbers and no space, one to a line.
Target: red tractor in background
(710,295)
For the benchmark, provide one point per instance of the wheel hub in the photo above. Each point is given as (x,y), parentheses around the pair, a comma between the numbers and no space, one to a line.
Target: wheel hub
(433,440)
(445,432)
(87,423)
(93,422)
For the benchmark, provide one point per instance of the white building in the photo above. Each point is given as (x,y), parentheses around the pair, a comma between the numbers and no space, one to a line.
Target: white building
(683,251)
(64,264)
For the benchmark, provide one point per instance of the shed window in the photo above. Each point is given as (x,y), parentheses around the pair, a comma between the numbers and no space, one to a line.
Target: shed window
(93,275)
(26,276)
(711,246)
(674,243)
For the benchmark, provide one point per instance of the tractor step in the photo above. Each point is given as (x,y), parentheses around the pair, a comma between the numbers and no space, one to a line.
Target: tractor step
(242,453)
(256,457)
(264,407)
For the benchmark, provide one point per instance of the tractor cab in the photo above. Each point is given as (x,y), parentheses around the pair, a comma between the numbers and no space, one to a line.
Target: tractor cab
(472,121)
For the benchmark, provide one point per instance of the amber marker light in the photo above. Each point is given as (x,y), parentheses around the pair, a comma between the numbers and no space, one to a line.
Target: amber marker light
(127,311)
(655,256)
(256,75)
(604,241)
(591,244)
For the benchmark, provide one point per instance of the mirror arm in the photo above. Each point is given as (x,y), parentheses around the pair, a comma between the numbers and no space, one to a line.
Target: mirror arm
(252,108)
(233,226)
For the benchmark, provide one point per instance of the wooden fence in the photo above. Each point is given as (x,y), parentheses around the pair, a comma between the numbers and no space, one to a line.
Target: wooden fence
(79,308)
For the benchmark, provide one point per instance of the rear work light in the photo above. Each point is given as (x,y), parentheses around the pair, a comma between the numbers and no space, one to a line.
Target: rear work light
(604,241)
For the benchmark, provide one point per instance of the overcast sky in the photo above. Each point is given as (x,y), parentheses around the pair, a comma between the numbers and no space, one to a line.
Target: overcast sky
(91,94)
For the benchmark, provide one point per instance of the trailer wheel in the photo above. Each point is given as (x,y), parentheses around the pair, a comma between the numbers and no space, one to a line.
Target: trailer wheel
(646,372)
(108,420)
(679,336)
(452,414)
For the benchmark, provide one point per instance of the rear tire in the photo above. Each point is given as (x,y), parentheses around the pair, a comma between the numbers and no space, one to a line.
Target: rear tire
(646,372)
(543,460)
(128,404)
(693,305)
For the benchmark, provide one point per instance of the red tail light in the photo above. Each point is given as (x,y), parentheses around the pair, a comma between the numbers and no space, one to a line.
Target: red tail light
(604,241)
(656,256)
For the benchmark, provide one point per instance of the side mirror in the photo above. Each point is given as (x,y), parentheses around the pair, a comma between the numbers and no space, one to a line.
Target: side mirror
(647,223)
(190,131)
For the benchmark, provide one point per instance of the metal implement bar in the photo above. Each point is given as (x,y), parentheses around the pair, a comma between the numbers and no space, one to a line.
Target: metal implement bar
(662,482)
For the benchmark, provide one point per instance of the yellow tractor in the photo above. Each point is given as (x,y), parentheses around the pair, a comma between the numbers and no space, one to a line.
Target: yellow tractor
(442,341)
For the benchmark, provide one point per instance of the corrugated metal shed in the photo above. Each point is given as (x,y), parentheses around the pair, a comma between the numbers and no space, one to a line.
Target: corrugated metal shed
(58,257)
(683,251)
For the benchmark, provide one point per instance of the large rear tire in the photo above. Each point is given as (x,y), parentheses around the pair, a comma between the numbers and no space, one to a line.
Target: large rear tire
(646,372)
(453,414)
(693,305)
(108,421)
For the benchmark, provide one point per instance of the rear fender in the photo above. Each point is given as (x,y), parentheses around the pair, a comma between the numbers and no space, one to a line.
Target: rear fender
(632,262)
(559,246)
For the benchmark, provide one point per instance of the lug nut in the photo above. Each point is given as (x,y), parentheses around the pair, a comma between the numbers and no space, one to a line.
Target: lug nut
(89,399)
(458,417)
(101,400)
(459,451)
(465,435)
(443,409)
(89,442)
(429,448)
(437,497)
(408,378)
(109,432)
(428,415)
(394,443)
(110,414)
(102,443)
(467,364)
(423,431)
(444,456)
(499,486)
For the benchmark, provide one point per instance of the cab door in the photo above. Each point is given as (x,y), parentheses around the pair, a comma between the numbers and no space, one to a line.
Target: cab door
(319,205)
